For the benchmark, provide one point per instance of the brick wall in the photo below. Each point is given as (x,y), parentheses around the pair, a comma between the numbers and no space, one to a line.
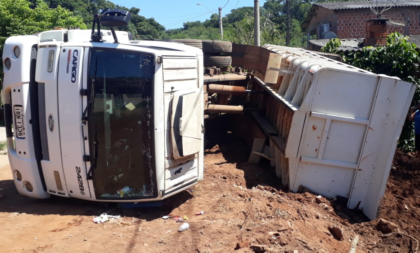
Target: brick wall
(352,23)
(322,16)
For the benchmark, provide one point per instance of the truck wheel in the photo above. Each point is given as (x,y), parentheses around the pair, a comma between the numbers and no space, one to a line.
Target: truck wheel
(218,61)
(217,47)
(193,43)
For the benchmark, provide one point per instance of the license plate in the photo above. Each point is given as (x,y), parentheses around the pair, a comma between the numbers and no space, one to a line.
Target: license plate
(19,119)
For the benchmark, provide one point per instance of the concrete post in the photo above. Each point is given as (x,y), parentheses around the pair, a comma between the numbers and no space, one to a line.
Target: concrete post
(221,22)
(256,22)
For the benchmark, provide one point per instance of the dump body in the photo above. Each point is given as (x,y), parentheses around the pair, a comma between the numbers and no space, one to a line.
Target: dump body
(103,121)
(338,126)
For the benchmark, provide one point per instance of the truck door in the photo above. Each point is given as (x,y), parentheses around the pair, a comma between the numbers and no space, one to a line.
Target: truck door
(185,120)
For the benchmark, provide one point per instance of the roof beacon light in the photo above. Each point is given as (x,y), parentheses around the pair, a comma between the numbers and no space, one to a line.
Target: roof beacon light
(110,18)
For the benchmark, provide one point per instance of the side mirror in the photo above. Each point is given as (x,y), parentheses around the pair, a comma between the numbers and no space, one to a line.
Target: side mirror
(115,18)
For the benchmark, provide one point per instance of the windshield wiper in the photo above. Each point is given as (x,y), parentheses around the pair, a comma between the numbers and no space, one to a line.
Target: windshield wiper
(93,161)
(90,103)
(88,108)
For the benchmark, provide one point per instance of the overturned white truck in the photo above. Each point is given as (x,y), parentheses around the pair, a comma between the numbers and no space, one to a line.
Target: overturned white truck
(96,116)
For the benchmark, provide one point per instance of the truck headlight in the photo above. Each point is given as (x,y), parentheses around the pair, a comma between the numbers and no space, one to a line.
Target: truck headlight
(18,175)
(16,51)
(7,63)
(28,186)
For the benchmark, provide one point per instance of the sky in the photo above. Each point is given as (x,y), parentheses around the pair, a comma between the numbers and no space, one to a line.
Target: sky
(173,13)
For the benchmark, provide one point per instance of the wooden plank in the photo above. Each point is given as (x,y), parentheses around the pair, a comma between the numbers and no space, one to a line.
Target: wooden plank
(284,125)
(273,65)
(276,86)
(281,115)
(276,113)
(264,59)
(265,125)
(278,163)
(252,58)
(246,127)
(285,171)
(269,108)
(257,146)
(272,153)
(291,113)
(238,53)
(280,143)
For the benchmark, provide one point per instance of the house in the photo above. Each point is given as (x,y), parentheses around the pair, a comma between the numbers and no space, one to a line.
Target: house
(347,20)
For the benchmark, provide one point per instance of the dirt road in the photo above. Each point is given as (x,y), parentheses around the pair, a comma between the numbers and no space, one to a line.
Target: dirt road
(243,203)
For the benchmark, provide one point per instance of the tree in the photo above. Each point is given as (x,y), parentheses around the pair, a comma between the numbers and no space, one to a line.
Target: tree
(238,14)
(18,18)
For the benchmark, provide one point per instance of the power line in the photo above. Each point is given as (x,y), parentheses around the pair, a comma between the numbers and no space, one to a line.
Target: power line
(225,4)
(188,19)
(182,21)
(180,16)
(237,4)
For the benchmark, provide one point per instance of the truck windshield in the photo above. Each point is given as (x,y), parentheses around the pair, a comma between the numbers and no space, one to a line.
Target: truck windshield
(121,124)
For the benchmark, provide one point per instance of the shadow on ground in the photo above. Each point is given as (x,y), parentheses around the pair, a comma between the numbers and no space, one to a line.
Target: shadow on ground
(13,202)
(234,149)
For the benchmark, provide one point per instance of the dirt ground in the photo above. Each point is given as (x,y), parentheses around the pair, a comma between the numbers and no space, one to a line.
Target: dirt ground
(246,210)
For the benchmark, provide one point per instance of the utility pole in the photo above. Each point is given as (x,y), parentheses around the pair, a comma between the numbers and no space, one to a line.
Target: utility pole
(257,22)
(287,22)
(221,22)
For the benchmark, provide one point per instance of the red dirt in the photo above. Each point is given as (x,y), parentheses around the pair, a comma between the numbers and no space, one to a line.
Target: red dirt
(242,202)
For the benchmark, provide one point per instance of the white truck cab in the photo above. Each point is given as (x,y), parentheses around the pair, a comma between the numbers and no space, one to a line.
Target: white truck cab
(103,121)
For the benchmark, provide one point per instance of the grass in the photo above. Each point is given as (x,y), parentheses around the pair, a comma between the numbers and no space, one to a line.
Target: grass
(3,145)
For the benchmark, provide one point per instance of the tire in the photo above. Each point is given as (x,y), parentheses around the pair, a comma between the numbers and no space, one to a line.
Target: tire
(218,61)
(216,47)
(193,43)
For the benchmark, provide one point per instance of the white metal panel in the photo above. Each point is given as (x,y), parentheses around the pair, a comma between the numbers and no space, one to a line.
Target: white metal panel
(168,109)
(182,180)
(326,180)
(20,70)
(160,125)
(180,170)
(180,74)
(168,112)
(344,142)
(385,127)
(70,83)
(168,145)
(51,111)
(85,35)
(201,88)
(191,123)
(312,137)
(187,114)
(17,78)
(344,93)
(177,85)
(295,134)
(180,63)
